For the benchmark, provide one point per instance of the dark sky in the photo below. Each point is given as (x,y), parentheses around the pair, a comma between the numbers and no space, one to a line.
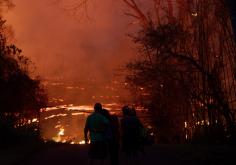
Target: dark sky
(61,46)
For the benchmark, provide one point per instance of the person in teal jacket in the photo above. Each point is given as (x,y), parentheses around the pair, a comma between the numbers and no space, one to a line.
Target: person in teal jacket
(96,125)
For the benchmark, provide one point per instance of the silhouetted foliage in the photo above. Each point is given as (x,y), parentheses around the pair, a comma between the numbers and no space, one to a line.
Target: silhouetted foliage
(21,96)
(184,72)
(161,83)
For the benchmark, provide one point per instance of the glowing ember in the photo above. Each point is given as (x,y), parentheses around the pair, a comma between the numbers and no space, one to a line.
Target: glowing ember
(83,142)
(61,132)
(185,124)
(58,126)
(186,136)
(84,107)
(34,120)
(75,114)
(194,14)
(52,116)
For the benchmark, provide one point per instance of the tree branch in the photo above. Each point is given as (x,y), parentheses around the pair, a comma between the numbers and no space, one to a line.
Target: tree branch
(133,5)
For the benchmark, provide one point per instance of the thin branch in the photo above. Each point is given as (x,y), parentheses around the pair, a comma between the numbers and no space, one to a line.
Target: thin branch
(132,15)
(133,5)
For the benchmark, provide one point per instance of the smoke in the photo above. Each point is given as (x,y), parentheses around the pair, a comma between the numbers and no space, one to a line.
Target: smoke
(63,47)
(5,5)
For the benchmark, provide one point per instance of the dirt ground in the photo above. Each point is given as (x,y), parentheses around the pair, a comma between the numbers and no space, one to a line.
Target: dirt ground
(66,154)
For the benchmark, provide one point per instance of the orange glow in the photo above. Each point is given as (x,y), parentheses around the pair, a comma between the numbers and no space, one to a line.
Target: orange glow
(79,113)
(68,121)
(58,138)
(61,132)
(78,48)
(52,116)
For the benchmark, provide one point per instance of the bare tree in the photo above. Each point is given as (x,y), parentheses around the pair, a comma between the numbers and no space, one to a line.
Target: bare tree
(206,56)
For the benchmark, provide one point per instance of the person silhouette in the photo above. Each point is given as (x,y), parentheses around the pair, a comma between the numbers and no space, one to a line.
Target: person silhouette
(130,133)
(112,135)
(96,125)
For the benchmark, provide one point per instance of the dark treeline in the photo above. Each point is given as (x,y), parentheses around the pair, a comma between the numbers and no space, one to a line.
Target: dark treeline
(185,70)
(21,96)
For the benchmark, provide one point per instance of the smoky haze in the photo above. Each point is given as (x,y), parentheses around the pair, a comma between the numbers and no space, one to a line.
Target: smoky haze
(63,47)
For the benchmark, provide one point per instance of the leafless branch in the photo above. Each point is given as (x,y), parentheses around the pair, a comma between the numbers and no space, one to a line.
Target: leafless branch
(141,16)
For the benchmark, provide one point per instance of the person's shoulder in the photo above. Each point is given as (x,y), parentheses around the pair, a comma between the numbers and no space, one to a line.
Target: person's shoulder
(91,115)
(103,118)
(97,115)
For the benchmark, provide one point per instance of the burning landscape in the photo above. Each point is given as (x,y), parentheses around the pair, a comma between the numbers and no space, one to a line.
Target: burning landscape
(66,123)
(64,119)
(163,70)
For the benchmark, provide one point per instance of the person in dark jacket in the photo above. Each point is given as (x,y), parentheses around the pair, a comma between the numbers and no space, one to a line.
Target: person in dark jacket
(112,135)
(130,133)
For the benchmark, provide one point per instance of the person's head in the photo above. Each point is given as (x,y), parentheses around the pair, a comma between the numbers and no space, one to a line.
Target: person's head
(125,110)
(98,107)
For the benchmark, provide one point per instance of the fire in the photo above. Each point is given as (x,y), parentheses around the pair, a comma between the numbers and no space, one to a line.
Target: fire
(52,116)
(61,132)
(83,142)
(185,124)
(194,14)
(82,107)
(34,120)
(78,113)
(57,126)
(64,117)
